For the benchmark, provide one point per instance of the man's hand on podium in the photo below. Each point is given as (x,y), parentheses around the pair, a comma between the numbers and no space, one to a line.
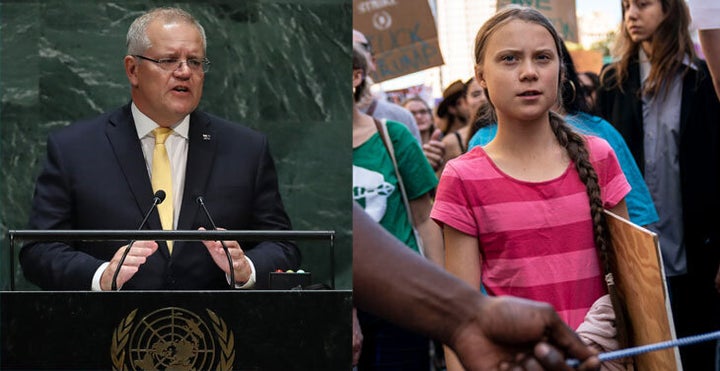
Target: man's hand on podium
(242,268)
(135,258)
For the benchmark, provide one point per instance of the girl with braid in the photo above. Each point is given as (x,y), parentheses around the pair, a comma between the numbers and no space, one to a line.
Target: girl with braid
(523,216)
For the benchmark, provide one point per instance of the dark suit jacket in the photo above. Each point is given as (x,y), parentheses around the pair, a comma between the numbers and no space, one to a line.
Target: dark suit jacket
(699,157)
(95,177)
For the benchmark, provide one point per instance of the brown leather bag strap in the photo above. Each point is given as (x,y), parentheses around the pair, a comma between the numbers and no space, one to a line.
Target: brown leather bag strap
(381,131)
(387,141)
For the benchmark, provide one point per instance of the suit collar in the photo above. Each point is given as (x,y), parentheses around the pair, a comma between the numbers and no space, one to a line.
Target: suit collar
(123,138)
(690,81)
(201,154)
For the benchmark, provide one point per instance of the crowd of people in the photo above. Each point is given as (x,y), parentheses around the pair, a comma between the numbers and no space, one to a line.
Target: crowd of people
(529,152)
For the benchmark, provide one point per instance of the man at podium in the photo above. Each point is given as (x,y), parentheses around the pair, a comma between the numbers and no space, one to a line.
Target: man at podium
(110,172)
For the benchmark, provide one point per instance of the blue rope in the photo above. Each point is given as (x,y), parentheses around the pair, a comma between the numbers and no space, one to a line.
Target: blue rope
(631,352)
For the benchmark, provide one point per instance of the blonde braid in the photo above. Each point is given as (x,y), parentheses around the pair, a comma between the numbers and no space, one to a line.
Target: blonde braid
(577,150)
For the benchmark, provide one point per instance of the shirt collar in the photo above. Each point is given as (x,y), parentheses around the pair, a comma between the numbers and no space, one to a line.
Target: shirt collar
(645,64)
(145,125)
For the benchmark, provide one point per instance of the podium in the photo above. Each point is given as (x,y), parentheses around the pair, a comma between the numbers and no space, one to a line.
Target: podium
(181,330)
(176,330)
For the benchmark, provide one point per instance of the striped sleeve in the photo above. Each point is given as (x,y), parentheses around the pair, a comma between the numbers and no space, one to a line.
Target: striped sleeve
(452,206)
(613,184)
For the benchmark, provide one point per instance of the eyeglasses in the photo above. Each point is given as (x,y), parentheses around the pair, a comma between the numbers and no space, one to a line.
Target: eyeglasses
(172,64)
(421,112)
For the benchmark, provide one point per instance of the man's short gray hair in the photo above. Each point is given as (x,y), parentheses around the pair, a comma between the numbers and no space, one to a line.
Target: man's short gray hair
(137,39)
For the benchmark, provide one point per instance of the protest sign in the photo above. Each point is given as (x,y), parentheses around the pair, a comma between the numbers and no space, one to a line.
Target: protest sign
(402,34)
(560,12)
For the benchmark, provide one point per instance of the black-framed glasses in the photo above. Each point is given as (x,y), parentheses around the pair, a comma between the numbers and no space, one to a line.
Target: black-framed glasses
(172,64)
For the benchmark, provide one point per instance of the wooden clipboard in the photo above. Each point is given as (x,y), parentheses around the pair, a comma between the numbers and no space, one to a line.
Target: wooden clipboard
(641,281)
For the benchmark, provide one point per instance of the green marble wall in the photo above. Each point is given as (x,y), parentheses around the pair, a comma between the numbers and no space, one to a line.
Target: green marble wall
(282,67)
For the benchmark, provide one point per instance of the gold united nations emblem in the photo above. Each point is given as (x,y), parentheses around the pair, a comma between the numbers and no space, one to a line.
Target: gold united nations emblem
(172,339)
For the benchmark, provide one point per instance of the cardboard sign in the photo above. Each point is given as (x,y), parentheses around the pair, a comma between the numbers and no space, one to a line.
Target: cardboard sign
(402,33)
(641,280)
(560,12)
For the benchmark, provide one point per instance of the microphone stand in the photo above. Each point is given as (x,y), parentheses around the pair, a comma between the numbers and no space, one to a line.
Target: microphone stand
(201,201)
(158,198)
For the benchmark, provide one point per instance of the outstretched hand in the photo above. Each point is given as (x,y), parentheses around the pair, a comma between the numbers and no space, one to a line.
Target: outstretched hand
(241,267)
(135,258)
(513,333)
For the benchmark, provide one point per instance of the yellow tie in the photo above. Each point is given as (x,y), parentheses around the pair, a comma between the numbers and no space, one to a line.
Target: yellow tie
(162,179)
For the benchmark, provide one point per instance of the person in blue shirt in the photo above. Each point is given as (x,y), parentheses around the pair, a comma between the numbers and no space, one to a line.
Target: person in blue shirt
(639,202)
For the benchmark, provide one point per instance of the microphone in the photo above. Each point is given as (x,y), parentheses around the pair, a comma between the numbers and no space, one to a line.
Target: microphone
(200,200)
(158,198)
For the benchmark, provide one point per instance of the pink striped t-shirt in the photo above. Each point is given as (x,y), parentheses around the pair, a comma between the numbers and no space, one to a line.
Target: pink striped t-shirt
(535,238)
